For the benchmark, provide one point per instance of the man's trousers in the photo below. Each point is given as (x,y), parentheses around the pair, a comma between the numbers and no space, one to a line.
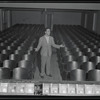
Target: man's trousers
(45,62)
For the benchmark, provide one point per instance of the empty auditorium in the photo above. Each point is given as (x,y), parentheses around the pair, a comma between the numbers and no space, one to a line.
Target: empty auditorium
(49,49)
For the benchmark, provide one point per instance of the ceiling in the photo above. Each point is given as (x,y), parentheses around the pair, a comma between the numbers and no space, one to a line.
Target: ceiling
(67,6)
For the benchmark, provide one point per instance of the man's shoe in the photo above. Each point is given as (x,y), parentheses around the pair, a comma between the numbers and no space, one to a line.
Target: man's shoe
(49,75)
(42,76)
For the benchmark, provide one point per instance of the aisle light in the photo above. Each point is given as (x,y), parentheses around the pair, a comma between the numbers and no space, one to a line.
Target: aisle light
(89,89)
(12,88)
(20,87)
(71,89)
(50,89)
(63,89)
(97,89)
(46,88)
(80,89)
(29,88)
(3,87)
(53,88)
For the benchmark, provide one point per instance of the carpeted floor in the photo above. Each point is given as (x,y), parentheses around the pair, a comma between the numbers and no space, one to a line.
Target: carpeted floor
(54,70)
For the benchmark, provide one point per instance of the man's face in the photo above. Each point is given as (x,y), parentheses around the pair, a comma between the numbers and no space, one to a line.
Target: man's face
(48,31)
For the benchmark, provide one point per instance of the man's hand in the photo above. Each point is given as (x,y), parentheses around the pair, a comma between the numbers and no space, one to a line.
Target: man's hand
(35,49)
(62,45)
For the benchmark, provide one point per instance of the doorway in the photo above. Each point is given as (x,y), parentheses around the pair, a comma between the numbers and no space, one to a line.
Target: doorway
(49,20)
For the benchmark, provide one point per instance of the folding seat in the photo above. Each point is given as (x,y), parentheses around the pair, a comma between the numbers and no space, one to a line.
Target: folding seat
(98,45)
(97,54)
(93,75)
(25,64)
(97,66)
(68,58)
(93,47)
(77,75)
(90,54)
(19,48)
(19,52)
(95,59)
(6,43)
(27,57)
(21,73)
(83,46)
(15,57)
(28,65)
(11,64)
(5,73)
(9,50)
(72,47)
(96,50)
(1,64)
(8,47)
(87,66)
(64,53)
(31,48)
(86,50)
(68,53)
(13,47)
(82,43)
(29,52)
(64,75)
(2,46)
(77,54)
(75,50)
(3,55)
(82,59)
(91,43)
(71,65)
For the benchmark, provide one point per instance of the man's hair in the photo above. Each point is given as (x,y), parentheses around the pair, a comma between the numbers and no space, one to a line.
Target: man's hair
(47,28)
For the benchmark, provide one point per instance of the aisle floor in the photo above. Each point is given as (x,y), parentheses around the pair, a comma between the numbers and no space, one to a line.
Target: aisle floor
(54,71)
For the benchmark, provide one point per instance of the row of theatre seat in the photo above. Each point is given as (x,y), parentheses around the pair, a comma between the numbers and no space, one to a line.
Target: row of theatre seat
(17,51)
(80,59)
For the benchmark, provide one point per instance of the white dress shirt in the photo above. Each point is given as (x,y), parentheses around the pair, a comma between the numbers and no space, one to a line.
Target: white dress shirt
(47,38)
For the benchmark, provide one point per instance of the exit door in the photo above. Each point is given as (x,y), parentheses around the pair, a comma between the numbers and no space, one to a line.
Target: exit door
(49,21)
(49,16)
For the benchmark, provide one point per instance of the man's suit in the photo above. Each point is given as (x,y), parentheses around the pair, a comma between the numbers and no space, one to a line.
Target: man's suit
(46,52)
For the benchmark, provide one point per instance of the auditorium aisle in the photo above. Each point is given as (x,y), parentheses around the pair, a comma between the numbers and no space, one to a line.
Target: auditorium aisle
(54,70)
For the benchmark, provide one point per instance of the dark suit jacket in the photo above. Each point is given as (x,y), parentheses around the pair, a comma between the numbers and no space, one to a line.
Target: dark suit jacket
(46,49)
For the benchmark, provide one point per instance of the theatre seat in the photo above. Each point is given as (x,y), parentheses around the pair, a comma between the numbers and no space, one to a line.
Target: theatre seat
(21,73)
(5,73)
(11,64)
(71,65)
(77,75)
(93,75)
(87,66)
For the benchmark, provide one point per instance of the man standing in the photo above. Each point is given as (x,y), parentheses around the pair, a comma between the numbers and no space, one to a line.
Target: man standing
(45,43)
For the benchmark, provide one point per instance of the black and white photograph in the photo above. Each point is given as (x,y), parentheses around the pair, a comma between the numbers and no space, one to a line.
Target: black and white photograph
(49,49)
